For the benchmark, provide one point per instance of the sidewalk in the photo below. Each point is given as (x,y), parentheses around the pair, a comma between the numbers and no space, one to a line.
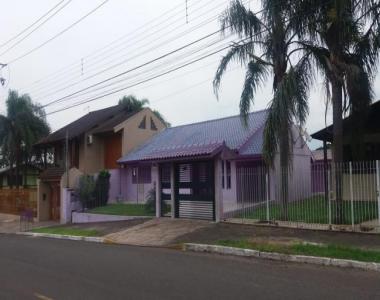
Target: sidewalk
(225,231)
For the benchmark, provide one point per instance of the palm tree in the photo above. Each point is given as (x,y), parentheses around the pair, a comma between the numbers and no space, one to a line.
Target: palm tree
(22,126)
(343,39)
(265,50)
(132,103)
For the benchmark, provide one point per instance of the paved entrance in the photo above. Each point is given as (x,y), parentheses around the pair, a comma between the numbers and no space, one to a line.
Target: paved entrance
(157,232)
(11,223)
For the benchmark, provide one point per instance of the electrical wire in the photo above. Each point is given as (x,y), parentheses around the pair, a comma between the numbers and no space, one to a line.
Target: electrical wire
(138,48)
(35,29)
(58,34)
(31,25)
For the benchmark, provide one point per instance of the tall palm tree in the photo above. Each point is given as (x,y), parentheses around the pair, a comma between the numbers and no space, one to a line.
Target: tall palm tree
(22,126)
(265,49)
(343,39)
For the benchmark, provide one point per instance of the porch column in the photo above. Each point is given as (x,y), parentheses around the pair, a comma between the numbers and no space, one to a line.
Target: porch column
(158,191)
(218,190)
(172,189)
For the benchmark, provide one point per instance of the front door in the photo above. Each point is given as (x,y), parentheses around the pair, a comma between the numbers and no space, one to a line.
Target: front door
(55,202)
(195,192)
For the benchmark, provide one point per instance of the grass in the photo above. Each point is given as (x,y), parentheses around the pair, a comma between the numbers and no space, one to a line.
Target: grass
(66,231)
(122,209)
(316,210)
(332,251)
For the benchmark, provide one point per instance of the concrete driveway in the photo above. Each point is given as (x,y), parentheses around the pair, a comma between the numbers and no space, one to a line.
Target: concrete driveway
(157,232)
(9,223)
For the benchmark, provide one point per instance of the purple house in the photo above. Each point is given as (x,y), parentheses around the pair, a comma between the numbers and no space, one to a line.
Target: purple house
(204,170)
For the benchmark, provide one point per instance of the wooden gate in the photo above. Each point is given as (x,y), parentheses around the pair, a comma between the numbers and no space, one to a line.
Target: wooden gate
(14,201)
(195,190)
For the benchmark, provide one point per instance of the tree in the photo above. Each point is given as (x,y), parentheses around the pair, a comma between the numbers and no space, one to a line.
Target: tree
(134,104)
(265,50)
(22,126)
(343,39)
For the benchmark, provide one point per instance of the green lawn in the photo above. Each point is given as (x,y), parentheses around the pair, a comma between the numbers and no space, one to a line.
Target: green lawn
(122,209)
(332,251)
(315,210)
(66,231)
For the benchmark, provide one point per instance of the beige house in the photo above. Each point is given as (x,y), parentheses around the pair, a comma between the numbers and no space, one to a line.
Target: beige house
(95,142)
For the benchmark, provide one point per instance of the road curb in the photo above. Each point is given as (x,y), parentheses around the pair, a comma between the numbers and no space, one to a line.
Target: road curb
(92,239)
(324,261)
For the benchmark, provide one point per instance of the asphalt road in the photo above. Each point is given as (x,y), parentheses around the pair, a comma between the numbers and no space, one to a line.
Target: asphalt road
(37,268)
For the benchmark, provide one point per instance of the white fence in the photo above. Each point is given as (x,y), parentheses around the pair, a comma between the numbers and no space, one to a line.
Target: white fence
(341,196)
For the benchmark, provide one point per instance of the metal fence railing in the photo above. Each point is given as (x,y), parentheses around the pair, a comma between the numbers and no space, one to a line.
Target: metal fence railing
(342,196)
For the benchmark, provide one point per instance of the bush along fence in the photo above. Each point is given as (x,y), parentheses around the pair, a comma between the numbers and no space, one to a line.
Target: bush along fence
(93,190)
(344,196)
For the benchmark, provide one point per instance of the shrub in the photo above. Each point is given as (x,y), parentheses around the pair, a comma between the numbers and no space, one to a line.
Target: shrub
(102,187)
(86,190)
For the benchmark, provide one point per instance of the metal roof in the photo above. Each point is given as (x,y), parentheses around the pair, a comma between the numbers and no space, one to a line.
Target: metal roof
(203,138)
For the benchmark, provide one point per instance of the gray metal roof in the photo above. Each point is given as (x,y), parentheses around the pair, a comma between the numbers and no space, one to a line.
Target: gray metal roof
(203,138)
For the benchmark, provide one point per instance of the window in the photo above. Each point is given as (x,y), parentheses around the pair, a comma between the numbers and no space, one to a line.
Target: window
(222,174)
(152,124)
(143,123)
(228,174)
(141,174)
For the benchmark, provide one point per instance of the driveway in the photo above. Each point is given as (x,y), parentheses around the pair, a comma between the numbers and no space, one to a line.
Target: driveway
(157,232)
(11,224)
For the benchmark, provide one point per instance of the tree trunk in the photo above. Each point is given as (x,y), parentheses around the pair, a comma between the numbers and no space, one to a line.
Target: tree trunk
(284,168)
(338,147)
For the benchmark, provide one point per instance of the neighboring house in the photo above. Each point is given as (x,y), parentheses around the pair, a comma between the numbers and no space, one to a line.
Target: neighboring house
(95,142)
(369,139)
(200,170)
(27,176)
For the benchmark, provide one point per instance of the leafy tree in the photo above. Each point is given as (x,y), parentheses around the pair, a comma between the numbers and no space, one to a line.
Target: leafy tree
(22,126)
(265,50)
(343,40)
(134,104)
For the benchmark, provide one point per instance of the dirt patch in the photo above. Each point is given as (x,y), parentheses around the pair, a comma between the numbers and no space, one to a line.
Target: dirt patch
(226,231)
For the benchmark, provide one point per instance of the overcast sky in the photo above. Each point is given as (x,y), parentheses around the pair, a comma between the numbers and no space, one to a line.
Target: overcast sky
(119,36)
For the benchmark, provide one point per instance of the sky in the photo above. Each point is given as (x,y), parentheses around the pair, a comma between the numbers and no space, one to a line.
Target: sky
(125,36)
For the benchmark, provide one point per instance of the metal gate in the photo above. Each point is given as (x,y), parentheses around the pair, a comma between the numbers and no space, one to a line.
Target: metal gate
(195,191)
(166,209)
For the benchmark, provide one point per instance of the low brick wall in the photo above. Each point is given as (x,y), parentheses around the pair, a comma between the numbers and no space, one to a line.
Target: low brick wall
(78,217)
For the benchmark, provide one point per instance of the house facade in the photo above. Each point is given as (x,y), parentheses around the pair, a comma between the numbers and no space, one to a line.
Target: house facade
(87,146)
(201,170)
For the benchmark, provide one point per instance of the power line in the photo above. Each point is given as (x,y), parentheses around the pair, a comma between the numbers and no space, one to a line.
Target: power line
(143,81)
(137,47)
(31,25)
(137,67)
(140,53)
(51,75)
(185,55)
(35,29)
(59,34)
